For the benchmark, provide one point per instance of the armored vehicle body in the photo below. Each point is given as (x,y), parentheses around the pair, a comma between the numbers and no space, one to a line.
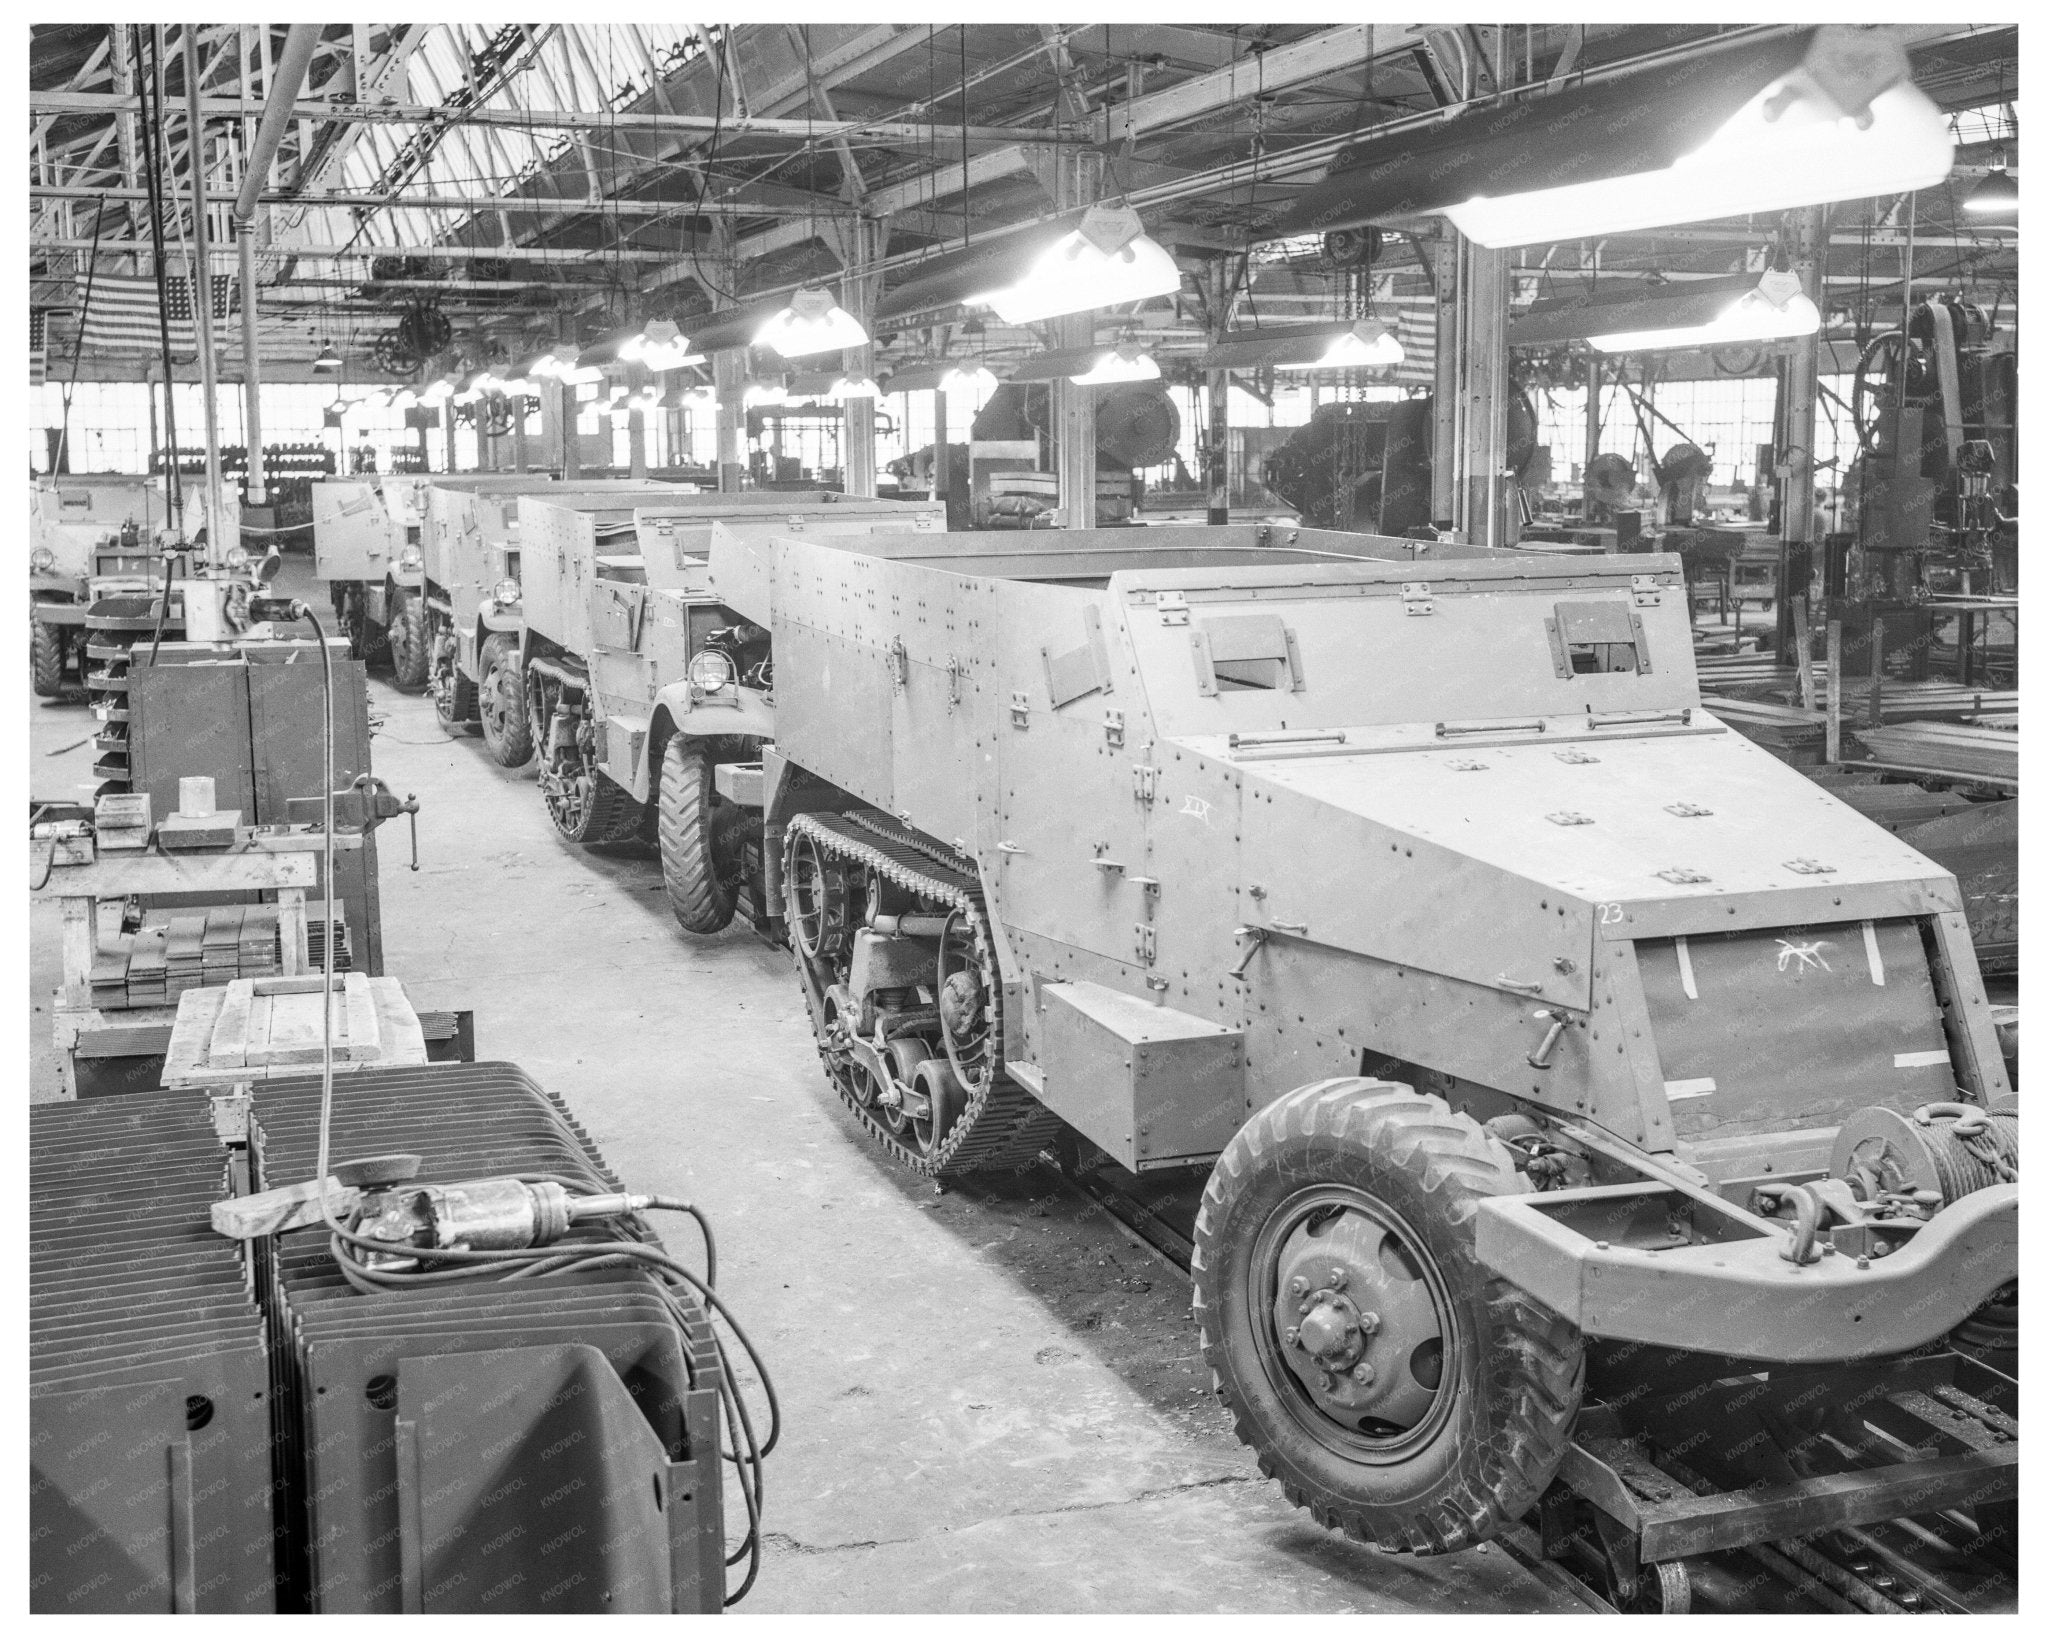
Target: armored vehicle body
(1522,1014)
(369,547)
(89,536)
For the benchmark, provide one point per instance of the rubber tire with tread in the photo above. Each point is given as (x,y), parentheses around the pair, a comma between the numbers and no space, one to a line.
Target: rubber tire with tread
(510,742)
(1519,1368)
(407,637)
(702,904)
(46,658)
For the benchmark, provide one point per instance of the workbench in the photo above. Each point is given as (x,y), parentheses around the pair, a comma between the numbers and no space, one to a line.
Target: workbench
(286,865)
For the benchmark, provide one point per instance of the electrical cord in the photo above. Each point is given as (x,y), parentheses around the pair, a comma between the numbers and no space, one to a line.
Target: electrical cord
(746,1451)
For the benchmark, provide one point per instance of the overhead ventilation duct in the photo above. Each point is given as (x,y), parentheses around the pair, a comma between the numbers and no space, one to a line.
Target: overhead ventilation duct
(1797,119)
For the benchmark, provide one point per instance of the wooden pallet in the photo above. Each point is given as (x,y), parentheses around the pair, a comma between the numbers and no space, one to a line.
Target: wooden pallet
(257,1029)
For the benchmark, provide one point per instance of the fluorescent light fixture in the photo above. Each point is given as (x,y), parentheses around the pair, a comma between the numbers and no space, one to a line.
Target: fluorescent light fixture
(1997,195)
(1125,363)
(765,392)
(1775,310)
(813,322)
(644,400)
(968,378)
(439,391)
(327,361)
(700,398)
(1787,146)
(853,386)
(1107,261)
(583,375)
(1367,345)
(553,366)
(403,399)
(517,387)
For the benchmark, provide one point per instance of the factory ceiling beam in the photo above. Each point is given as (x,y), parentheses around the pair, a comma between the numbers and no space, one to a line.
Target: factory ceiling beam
(463,201)
(510,253)
(1317,57)
(566,119)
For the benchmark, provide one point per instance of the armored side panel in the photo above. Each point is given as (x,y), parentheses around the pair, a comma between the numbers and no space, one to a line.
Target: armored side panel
(567,542)
(676,535)
(355,536)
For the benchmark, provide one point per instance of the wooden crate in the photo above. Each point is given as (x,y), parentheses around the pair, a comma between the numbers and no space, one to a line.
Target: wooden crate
(257,1029)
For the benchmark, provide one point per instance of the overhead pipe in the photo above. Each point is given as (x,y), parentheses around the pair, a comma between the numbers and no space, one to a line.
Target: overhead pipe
(300,42)
(202,294)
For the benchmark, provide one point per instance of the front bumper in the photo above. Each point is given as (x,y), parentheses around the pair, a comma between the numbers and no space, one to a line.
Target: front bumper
(1735,1294)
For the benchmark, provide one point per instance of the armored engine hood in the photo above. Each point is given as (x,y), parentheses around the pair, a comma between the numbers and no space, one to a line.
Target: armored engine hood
(1500,856)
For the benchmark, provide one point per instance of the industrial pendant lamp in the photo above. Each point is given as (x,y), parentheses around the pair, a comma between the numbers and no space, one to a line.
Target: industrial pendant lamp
(813,322)
(661,346)
(968,376)
(1776,310)
(1997,195)
(1126,362)
(1792,144)
(1367,345)
(327,361)
(852,386)
(1107,261)
(759,393)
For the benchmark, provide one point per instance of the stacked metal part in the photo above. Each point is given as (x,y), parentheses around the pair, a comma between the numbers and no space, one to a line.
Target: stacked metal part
(113,626)
(149,1397)
(541,1444)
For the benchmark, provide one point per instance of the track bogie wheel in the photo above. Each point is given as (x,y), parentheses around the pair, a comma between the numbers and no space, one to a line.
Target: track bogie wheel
(455,696)
(407,637)
(1398,1390)
(969,996)
(501,702)
(821,902)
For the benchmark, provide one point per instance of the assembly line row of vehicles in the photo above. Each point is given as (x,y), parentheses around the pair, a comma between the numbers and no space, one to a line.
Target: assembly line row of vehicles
(1552,1050)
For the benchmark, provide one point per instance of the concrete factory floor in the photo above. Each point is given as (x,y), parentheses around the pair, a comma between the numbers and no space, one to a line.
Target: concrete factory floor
(992,1399)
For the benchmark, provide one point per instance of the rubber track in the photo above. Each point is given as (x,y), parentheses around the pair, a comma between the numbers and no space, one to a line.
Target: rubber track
(1003,1127)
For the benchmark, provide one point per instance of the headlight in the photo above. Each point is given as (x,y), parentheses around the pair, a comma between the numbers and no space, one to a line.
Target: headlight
(409,559)
(710,670)
(42,560)
(237,558)
(506,591)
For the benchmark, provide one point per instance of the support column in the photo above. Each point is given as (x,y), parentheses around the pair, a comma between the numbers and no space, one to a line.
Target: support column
(519,435)
(1079,181)
(1592,418)
(448,430)
(252,373)
(568,446)
(1802,394)
(1482,394)
(728,369)
(1216,444)
(1443,465)
(942,457)
(857,294)
(202,299)
(636,444)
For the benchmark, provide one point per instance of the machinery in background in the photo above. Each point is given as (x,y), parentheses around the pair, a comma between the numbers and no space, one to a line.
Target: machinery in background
(1002,477)
(232,1411)
(1934,489)
(1521,1057)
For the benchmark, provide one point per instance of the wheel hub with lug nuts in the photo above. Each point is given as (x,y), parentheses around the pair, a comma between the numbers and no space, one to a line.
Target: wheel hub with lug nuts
(1358,1326)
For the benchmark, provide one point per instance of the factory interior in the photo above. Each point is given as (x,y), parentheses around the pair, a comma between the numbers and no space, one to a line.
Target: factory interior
(577,1061)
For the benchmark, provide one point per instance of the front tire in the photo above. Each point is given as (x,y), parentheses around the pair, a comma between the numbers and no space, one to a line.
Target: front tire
(454,694)
(1398,1390)
(407,637)
(703,900)
(46,658)
(501,702)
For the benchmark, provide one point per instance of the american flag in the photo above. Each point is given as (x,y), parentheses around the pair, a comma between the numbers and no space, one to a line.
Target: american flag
(38,346)
(122,316)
